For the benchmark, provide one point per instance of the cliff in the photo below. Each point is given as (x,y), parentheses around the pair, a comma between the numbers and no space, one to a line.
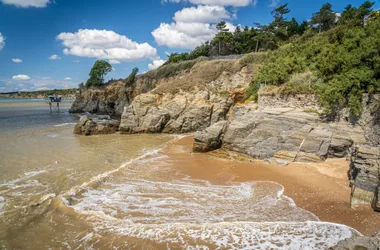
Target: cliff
(189,101)
(110,98)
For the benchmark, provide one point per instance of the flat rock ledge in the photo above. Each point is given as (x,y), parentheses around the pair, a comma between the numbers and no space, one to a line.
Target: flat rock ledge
(279,135)
(365,176)
(359,243)
(96,124)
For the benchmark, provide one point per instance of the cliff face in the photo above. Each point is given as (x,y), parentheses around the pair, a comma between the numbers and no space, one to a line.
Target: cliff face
(190,101)
(111,98)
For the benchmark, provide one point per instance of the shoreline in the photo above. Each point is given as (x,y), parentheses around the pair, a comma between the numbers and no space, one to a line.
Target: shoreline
(320,188)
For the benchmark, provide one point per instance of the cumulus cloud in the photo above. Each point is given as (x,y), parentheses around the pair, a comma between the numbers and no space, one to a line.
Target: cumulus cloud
(67,78)
(105,44)
(202,14)
(155,64)
(54,57)
(235,3)
(192,27)
(112,61)
(16,60)
(21,77)
(2,41)
(27,3)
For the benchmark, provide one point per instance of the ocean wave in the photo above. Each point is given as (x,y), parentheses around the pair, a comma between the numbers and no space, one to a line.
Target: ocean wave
(65,124)
(26,176)
(101,178)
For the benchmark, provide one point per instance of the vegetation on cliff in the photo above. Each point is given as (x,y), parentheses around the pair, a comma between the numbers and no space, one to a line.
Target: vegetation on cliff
(97,73)
(334,56)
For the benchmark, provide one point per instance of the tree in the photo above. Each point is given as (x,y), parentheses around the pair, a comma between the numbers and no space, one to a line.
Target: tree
(222,30)
(356,16)
(97,73)
(131,78)
(325,18)
(279,26)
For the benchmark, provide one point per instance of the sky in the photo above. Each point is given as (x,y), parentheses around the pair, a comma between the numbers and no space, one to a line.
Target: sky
(48,44)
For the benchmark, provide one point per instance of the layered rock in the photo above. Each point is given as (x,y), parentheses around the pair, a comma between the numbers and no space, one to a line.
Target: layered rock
(110,98)
(93,125)
(188,102)
(282,135)
(365,176)
(174,113)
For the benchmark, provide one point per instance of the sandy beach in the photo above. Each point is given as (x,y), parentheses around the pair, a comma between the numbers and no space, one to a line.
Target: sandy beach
(322,188)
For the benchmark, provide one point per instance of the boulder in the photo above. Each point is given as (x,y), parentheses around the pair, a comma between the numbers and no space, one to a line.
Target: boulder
(93,125)
(210,138)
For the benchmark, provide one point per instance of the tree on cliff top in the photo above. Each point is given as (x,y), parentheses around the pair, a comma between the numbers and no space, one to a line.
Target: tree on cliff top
(97,73)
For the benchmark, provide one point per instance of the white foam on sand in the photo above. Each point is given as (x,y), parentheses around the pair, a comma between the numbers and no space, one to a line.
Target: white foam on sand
(238,235)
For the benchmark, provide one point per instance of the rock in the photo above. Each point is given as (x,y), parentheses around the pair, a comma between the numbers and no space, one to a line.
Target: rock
(376,201)
(210,138)
(93,125)
(174,113)
(359,243)
(365,176)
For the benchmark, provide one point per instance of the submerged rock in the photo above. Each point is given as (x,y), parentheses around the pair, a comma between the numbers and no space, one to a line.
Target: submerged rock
(93,125)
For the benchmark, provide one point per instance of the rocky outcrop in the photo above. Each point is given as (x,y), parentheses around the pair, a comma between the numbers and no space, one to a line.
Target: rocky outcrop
(94,125)
(188,102)
(282,135)
(110,98)
(359,243)
(174,113)
(370,118)
(365,176)
(210,138)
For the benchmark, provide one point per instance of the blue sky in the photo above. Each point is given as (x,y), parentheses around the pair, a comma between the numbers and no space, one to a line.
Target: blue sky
(48,44)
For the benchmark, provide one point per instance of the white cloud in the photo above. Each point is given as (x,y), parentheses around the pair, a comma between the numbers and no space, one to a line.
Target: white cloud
(76,61)
(16,60)
(2,41)
(68,78)
(21,77)
(105,44)
(155,64)
(54,57)
(192,27)
(274,3)
(235,3)
(112,61)
(255,2)
(27,3)
(175,35)
(202,14)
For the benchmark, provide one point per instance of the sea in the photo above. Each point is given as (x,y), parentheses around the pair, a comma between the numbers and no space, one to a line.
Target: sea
(63,191)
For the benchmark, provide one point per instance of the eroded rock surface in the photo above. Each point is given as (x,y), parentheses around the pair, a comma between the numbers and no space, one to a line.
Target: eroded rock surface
(94,125)
(365,176)
(283,135)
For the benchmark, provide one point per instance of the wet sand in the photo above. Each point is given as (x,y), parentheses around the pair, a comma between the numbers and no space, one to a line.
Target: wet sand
(322,188)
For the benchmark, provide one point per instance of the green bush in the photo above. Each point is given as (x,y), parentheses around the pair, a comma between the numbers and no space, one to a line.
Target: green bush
(345,62)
